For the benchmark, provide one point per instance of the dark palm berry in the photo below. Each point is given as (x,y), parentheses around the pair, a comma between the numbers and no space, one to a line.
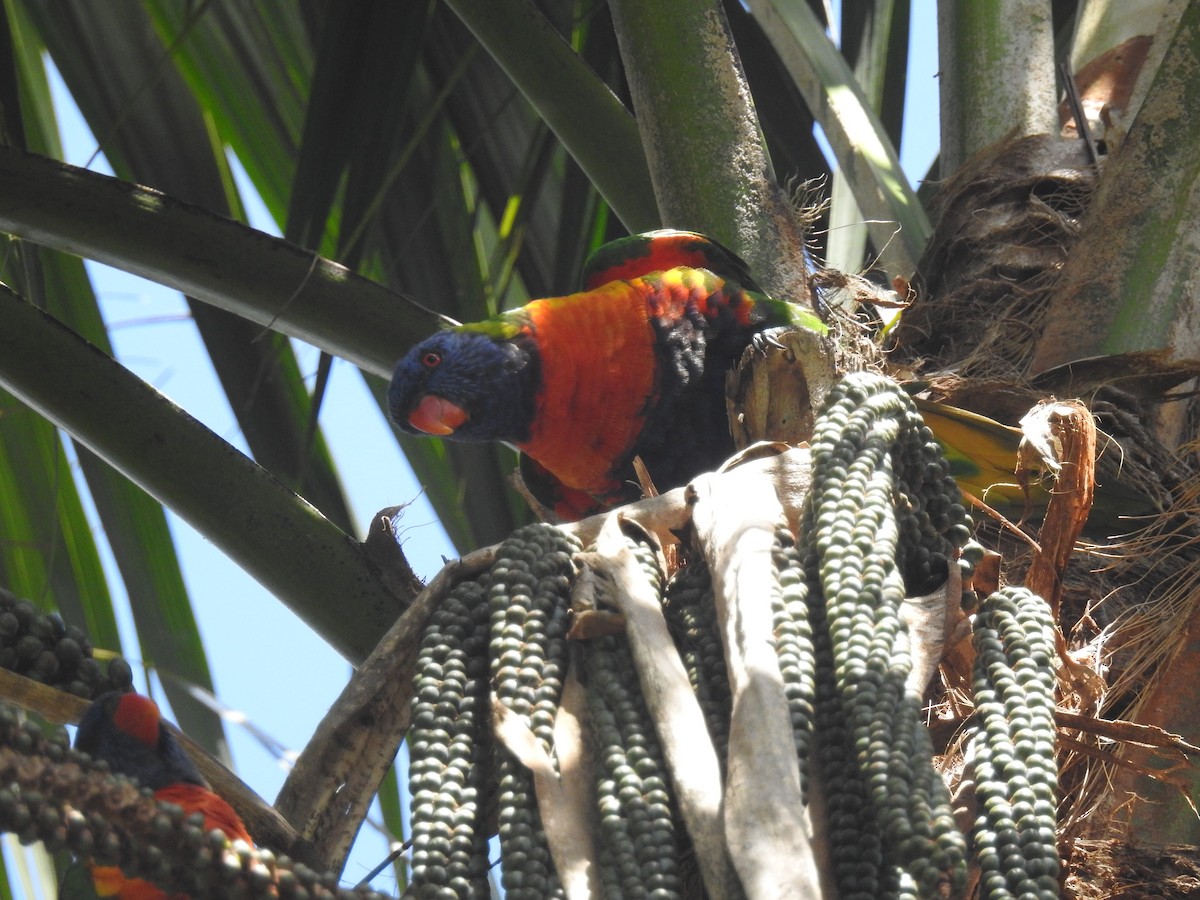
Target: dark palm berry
(88,670)
(28,648)
(120,674)
(47,663)
(69,652)
(9,624)
(24,611)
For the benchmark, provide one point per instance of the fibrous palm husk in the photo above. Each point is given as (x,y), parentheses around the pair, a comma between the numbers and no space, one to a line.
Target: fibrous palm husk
(1006,221)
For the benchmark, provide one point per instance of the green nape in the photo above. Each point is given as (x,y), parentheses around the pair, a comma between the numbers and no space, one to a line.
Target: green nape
(502,327)
(788,313)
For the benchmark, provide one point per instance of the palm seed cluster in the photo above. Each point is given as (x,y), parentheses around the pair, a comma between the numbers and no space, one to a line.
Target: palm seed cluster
(1016,779)
(883,521)
(640,848)
(691,615)
(879,478)
(39,645)
(52,793)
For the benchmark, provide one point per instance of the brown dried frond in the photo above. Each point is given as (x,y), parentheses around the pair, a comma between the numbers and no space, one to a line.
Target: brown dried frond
(1148,618)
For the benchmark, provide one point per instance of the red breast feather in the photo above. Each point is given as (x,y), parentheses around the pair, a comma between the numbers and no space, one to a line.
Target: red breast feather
(637,368)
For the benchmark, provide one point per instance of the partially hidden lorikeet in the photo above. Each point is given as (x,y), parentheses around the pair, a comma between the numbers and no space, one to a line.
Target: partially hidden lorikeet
(632,366)
(127,732)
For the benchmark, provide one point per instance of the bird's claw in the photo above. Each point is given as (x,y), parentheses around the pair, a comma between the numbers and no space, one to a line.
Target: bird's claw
(767,338)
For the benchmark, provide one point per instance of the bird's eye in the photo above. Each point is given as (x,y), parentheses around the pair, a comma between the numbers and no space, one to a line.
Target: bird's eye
(431,360)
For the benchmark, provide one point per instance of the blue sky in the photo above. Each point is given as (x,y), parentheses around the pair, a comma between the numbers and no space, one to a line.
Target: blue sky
(269,668)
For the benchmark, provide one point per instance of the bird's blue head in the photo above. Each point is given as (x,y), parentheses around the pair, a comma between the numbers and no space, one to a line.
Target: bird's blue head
(127,732)
(468,385)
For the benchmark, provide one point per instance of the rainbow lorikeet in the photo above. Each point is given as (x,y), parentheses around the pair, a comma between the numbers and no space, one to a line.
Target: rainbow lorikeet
(632,366)
(127,732)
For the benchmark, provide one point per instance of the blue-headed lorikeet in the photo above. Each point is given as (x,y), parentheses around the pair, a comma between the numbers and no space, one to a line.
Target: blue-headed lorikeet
(634,365)
(127,732)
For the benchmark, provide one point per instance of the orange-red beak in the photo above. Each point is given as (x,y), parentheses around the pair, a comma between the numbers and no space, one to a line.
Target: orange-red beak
(436,415)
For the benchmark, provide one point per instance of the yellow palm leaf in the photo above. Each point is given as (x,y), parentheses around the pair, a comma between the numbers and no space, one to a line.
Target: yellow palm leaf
(983,457)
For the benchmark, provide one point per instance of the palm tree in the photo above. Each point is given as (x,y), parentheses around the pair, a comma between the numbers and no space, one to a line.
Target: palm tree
(425,158)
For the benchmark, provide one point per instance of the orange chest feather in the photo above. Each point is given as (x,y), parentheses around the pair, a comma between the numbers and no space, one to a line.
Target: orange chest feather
(599,377)
(109,881)
(217,812)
